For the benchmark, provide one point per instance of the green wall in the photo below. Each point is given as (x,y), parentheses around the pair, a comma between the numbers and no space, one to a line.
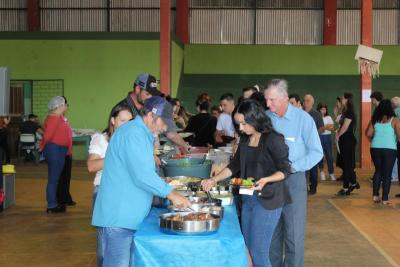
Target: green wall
(176,65)
(275,59)
(96,73)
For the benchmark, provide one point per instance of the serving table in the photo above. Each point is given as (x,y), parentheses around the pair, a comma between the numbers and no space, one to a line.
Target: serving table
(226,247)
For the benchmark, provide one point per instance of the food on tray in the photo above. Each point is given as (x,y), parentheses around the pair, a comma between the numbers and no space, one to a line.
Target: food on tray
(176,183)
(178,156)
(191,217)
(182,180)
(248,182)
(168,148)
(236,181)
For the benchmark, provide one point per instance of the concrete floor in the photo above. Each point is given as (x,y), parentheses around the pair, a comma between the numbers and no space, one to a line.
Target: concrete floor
(340,231)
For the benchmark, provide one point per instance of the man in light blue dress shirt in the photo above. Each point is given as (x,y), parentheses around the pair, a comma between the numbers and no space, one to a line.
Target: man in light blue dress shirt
(305,151)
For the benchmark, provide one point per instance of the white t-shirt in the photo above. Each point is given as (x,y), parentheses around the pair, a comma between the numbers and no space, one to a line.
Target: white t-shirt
(225,124)
(327,120)
(98,145)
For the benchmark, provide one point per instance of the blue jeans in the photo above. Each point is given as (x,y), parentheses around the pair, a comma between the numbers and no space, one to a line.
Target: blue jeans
(384,160)
(289,233)
(326,142)
(115,247)
(258,225)
(55,157)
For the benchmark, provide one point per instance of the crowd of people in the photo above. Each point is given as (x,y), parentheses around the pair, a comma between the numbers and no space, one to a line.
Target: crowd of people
(279,139)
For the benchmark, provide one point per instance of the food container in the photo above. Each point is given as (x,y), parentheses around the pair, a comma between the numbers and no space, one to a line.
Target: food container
(216,210)
(187,167)
(171,225)
(224,196)
(203,201)
(182,183)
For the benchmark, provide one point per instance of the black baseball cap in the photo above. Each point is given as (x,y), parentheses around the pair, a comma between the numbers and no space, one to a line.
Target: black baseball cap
(148,82)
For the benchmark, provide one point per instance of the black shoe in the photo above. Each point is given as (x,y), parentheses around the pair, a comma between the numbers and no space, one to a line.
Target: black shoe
(58,209)
(312,192)
(397,195)
(71,203)
(343,192)
(354,186)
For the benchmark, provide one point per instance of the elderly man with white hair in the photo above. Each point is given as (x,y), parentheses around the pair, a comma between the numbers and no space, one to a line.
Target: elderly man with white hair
(305,151)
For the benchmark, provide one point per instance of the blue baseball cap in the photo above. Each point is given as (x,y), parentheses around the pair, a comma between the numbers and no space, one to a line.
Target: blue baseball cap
(163,109)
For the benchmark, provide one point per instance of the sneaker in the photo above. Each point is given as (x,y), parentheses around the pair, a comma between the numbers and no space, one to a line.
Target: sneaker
(343,192)
(322,176)
(332,176)
(354,186)
(376,199)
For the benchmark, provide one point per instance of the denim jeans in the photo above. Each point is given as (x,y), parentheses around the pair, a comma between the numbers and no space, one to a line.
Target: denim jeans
(258,225)
(287,246)
(384,161)
(326,142)
(55,157)
(115,247)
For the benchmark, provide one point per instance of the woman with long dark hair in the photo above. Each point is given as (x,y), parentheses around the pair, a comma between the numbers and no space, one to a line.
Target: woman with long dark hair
(383,131)
(326,142)
(263,155)
(119,115)
(347,145)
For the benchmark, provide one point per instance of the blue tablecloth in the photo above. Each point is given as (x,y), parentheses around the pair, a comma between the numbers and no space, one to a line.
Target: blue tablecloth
(224,248)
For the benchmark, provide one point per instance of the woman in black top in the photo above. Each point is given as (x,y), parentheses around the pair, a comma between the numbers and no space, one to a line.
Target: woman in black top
(347,145)
(263,155)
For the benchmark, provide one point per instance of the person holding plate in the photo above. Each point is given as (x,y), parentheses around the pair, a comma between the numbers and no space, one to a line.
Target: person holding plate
(263,155)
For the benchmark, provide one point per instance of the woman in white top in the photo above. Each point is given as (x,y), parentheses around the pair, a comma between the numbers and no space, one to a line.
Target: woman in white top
(120,114)
(326,142)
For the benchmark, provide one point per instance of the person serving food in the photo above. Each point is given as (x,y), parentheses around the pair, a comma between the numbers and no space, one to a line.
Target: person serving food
(128,183)
(263,155)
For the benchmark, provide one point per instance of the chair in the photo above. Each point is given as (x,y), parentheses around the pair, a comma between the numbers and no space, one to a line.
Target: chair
(27,146)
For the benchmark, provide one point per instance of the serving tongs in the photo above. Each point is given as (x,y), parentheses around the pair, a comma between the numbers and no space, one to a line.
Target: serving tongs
(210,199)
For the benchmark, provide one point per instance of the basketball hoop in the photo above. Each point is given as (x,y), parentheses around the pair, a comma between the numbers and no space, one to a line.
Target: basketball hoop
(368,60)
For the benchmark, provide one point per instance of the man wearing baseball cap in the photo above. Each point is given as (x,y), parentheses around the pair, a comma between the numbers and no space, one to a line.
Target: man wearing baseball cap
(128,184)
(144,87)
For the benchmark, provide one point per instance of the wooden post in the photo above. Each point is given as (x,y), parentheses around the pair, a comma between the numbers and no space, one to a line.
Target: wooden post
(330,14)
(33,15)
(165,46)
(182,20)
(366,84)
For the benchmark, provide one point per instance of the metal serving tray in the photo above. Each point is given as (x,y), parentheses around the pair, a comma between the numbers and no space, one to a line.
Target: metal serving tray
(188,227)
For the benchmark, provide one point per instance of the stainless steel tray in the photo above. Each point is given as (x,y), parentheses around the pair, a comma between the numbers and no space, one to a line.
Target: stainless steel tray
(216,210)
(188,227)
(203,201)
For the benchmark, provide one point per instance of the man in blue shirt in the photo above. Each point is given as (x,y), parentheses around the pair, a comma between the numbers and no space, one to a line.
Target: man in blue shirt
(305,151)
(128,184)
